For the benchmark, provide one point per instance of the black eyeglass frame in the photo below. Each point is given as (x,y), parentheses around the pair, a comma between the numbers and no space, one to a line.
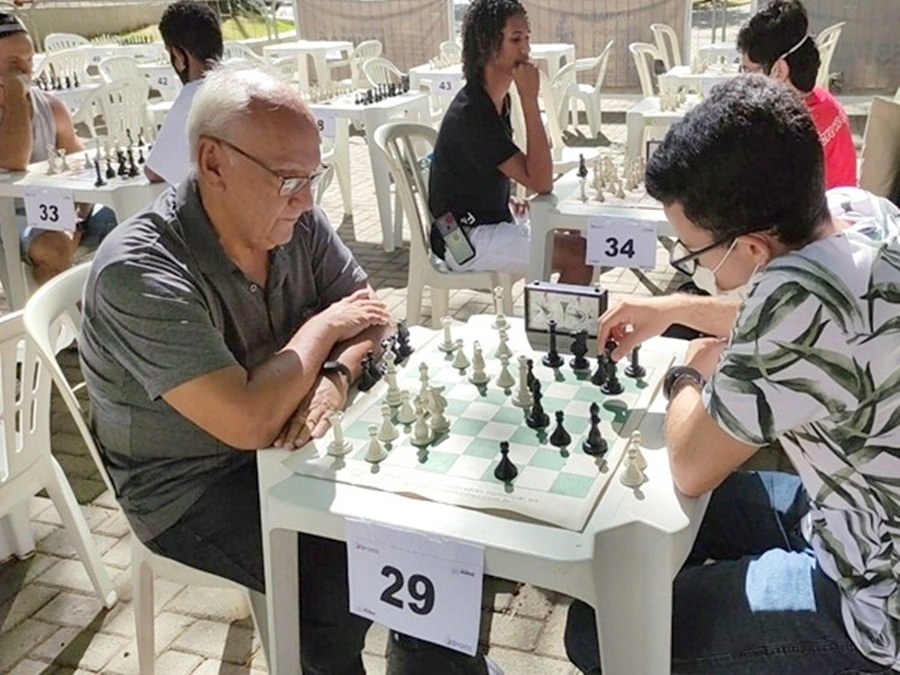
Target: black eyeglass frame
(679,263)
(290,185)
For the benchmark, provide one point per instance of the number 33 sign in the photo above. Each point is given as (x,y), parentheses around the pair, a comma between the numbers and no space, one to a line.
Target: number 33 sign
(49,209)
(416,584)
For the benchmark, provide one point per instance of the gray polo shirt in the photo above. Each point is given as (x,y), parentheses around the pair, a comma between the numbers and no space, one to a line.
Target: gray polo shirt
(164,305)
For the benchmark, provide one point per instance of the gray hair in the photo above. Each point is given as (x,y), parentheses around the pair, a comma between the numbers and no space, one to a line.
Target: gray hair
(226,94)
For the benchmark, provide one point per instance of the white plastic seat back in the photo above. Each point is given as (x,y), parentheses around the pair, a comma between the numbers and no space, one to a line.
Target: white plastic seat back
(826,41)
(65,63)
(365,50)
(450,48)
(879,171)
(56,42)
(118,68)
(238,51)
(123,105)
(645,56)
(378,70)
(556,92)
(667,43)
(590,95)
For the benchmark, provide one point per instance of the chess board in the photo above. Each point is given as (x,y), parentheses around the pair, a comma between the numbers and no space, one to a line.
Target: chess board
(636,199)
(557,486)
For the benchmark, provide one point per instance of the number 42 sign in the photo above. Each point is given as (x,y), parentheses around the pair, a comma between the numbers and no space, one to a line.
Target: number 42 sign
(415,583)
(614,241)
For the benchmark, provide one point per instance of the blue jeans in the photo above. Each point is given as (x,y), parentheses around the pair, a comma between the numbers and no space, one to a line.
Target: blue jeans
(100,223)
(763,606)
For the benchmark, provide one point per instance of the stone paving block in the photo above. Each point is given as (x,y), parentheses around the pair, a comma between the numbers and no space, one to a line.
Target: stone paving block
(532,602)
(68,443)
(68,575)
(167,627)
(58,542)
(37,505)
(116,525)
(21,640)
(376,665)
(515,632)
(107,500)
(514,662)
(28,667)
(24,604)
(214,667)
(93,515)
(118,555)
(217,640)
(169,663)
(84,649)
(498,594)
(214,604)
(16,574)
(71,609)
(550,641)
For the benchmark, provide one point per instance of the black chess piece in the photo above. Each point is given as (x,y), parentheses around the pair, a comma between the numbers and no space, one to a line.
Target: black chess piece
(560,438)
(59,84)
(552,359)
(110,171)
(404,83)
(68,82)
(595,445)
(403,348)
(536,417)
(612,386)
(141,141)
(128,136)
(141,159)
(370,97)
(530,380)
(600,375)
(122,169)
(132,167)
(374,366)
(505,470)
(75,81)
(99,182)
(635,369)
(610,347)
(582,167)
(579,349)
(367,380)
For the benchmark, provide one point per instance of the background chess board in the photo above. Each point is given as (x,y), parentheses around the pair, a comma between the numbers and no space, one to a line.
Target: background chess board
(558,487)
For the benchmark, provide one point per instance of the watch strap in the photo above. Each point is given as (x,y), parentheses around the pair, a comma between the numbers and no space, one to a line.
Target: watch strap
(676,373)
(335,366)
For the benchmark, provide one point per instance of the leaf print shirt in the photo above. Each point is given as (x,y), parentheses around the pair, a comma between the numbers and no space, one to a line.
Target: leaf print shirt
(814,361)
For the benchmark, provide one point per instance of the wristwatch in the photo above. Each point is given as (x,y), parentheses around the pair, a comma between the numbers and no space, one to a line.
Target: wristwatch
(335,366)
(677,373)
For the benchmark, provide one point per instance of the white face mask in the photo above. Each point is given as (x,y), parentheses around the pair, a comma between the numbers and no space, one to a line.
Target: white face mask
(741,292)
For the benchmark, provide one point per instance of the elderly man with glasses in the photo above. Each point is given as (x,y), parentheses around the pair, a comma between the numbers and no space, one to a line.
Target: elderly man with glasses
(228,317)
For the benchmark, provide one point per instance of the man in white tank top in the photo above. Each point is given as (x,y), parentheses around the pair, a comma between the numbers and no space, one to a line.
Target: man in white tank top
(30,120)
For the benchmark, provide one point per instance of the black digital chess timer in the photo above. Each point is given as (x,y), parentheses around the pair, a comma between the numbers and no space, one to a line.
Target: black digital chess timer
(574,308)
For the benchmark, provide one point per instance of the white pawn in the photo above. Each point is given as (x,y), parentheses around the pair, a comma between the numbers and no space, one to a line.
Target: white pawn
(631,476)
(500,321)
(375,452)
(478,375)
(406,414)
(421,434)
(505,380)
(338,446)
(460,361)
(388,432)
(63,165)
(51,159)
(393,393)
(523,397)
(639,458)
(448,345)
(503,348)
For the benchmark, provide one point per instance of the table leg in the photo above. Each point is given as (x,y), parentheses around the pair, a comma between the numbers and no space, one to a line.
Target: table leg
(12,273)
(323,74)
(302,71)
(342,162)
(381,178)
(282,601)
(541,241)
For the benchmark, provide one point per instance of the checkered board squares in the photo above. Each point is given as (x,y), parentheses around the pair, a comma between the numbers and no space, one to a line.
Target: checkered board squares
(554,486)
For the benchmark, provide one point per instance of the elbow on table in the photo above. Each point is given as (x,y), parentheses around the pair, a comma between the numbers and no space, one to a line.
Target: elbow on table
(250,434)
(690,479)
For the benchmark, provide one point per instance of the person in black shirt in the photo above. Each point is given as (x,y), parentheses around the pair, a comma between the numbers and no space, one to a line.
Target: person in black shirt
(475,156)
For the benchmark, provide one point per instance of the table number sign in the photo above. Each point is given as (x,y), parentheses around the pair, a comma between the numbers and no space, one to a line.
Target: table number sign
(416,584)
(614,241)
(325,124)
(50,209)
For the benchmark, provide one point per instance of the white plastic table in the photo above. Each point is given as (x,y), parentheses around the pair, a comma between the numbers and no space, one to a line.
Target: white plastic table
(163,78)
(622,563)
(75,97)
(148,52)
(717,51)
(125,197)
(554,55)
(412,106)
(558,210)
(646,113)
(697,83)
(317,49)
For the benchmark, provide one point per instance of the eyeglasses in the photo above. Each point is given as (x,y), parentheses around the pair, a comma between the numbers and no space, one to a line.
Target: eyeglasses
(684,259)
(289,185)
(758,68)
(755,68)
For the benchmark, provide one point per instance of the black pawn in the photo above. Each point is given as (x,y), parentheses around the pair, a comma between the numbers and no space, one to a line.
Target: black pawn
(99,182)
(403,347)
(141,159)
(505,470)
(552,359)
(595,445)
(68,82)
(374,366)
(612,385)
(579,349)
(635,369)
(600,375)
(110,171)
(560,438)
(537,418)
(530,379)
(582,168)
(366,380)
(122,169)
(75,80)
(132,167)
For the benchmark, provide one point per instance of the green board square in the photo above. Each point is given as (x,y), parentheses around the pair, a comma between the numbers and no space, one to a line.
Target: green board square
(494,395)
(358,429)
(527,436)
(455,407)
(547,459)
(553,404)
(438,462)
(482,447)
(572,485)
(467,427)
(509,415)
(588,393)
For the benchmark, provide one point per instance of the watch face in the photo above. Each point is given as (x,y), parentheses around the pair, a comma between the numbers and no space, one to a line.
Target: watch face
(574,308)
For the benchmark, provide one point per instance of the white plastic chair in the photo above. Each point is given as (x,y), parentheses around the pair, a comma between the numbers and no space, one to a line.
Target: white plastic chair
(123,105)
(26,463)
(450,48)
(590,95)
(405,145)
(826,41)
(65,63)
(232,50)
(287,65)
(365,50)
(53,320)
(645,56)
(115,68)
(880,157)
(59,41)
(378,70)
(667,43)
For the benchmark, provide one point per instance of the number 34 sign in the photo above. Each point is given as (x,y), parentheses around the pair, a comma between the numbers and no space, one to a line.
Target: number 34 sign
(416,584)
(621,242)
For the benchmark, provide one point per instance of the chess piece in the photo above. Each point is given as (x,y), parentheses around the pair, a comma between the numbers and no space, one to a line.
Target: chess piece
(579,349)
(132,167)
(99,182)
(536,417)
(530,376)
(122,169)
(438,422)
(523,398)
(393,393)
(503,347)
(552,359)
(63,165)
(421,435)
(375,452)
(600,374)
(631,476)
(582,176)
(338,446)
(424,386)
(594,445)
(51,159)
(505,379)
(129,138)
(639,460)
(68,82)
(500,320)
(560,438)
(110,171)
(406,415)
(366,379)
(635,369)
(612,386)
(448,345)
(387,432)
(478,376)
(404,349)
(141,159)
(460,361)
(505,470)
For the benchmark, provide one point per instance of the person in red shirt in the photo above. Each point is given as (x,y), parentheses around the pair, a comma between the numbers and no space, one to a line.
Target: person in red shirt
(776,42)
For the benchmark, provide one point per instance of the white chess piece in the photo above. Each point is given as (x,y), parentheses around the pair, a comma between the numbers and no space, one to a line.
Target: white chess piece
(478,375)
(421,434)
(406,414)
(505,380)
(388,432)
(393,393)
(63,165)
(460,361)
(338,446)
(439,423)
(424,394)
(51,159)
(523,397)
(500,321)
(375,452)
(631,476)
(503,348)
(639,459)
(448,345)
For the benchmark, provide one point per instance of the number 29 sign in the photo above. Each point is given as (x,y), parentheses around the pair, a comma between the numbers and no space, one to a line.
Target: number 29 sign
(416,584)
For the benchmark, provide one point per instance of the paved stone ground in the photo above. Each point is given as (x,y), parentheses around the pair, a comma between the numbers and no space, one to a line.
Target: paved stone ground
(51,623)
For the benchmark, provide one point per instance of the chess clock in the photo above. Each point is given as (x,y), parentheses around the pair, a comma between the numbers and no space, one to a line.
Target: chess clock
(574,308)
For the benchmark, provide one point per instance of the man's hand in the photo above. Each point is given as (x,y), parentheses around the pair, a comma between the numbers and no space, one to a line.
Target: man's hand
(310,420)
(519,207)
(703,354)
(528,80)
(13,86)
(633,321)
(350,316)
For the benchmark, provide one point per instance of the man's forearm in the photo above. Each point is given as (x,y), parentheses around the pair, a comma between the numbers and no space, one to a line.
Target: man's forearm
(352,352)
(15,134)
(707,314)
(538,161)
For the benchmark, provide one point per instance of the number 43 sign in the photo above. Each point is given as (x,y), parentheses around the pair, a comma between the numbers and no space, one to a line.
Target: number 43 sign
(621,242)
(416,584)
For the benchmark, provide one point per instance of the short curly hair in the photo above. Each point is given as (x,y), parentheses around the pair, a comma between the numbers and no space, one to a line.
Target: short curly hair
(193,27)
(483,33)
(747,159)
